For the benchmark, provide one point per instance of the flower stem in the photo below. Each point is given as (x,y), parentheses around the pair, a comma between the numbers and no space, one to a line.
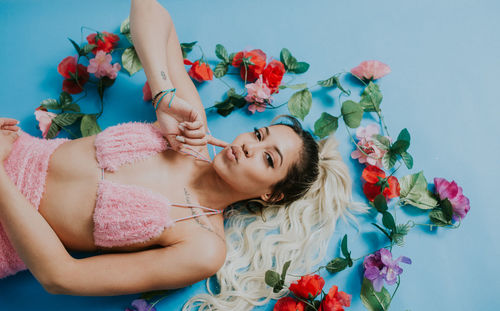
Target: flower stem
(220,79)
(397,286)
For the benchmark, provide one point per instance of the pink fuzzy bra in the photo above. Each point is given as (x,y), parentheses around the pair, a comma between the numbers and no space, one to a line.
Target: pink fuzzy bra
(127,214)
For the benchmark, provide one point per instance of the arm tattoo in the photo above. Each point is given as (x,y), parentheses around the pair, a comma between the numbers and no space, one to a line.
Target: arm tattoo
(188,201)
(163,75)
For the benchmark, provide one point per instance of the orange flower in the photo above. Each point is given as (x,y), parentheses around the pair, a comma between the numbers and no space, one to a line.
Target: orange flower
(69,69)
(335,300)
(200,70)
(105,41)
(252,72)
(288,304)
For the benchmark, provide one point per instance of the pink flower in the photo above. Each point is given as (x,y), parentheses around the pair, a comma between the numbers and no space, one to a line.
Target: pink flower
(101,66)
(364,135)
(44,119)
(453,193)
(259,94)
(146,92)
(371,70)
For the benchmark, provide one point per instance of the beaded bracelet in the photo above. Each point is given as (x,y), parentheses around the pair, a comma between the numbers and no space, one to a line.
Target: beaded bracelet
(173,90)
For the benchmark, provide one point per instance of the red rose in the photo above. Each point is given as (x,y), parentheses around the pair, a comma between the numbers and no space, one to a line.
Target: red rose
(371,189)
(335,300)
(288,304)
(257,57)
(273,74)
(105,42)
(308,284)
(69,69)
(200,71)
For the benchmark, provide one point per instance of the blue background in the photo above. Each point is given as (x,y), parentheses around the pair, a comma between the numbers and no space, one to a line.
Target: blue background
(445,61)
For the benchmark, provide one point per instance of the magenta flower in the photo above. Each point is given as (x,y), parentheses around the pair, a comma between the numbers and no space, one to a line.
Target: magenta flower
(453,193)
(366,143)
(379,266)
(371,70)
(259,95)
(101,66)
(140,305)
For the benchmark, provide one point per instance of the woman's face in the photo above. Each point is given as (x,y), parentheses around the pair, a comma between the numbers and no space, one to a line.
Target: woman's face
(255,161)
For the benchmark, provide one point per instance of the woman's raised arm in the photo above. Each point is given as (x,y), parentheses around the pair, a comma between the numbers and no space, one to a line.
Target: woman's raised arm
(155,40)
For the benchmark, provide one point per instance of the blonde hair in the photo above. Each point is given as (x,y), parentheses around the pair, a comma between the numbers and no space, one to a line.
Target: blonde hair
(304,228)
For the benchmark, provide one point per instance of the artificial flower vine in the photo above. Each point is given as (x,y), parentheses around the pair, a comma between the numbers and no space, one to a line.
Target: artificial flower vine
(446,205)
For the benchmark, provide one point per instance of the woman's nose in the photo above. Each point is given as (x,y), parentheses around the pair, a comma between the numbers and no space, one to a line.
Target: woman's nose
(249,150)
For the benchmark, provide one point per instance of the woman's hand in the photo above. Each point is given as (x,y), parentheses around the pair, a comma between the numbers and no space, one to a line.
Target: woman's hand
(8,124)
(7,139)
(182,124)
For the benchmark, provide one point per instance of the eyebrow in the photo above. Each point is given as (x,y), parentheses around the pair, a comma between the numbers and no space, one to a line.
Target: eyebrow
(275,148)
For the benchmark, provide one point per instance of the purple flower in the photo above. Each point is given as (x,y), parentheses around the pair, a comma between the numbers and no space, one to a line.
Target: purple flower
(140,305)
(379,266)
(453,193)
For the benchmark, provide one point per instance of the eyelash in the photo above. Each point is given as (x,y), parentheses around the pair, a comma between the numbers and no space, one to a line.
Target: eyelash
(259,137)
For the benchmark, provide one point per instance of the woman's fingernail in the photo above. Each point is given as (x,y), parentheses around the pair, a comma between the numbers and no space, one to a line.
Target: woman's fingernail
(182,127)
(180,138)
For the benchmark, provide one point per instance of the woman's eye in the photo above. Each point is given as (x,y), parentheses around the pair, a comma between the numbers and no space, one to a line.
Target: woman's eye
(257,133)
(270,160)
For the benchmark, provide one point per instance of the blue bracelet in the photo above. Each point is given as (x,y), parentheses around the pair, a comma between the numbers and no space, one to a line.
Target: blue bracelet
(173,90)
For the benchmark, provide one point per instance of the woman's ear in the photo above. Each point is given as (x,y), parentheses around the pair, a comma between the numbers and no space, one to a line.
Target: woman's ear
(267,196)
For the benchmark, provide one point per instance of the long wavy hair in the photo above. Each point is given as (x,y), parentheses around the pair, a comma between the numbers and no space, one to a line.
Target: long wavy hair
(298,231)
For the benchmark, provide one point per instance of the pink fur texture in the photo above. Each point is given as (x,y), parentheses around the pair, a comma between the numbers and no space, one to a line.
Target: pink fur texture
(26,166)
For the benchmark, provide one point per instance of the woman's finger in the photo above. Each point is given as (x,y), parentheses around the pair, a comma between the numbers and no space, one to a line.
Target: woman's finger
(192,133)
(192,125)
(7,121)
(217,142)
(191,141)
(10,128)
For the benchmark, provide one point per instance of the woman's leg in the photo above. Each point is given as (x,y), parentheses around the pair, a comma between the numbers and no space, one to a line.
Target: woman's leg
(155,40)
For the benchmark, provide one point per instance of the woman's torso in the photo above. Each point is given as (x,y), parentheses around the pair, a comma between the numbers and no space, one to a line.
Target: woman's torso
(71,191)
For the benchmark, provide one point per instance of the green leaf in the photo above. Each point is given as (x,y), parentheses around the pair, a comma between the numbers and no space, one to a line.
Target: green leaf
(231,56)
(221,69)
(278,287)
(404,135)
(300,103)
(50,104)
(272,278)
(374,301)
(76,46)
(87,48)
(65,119)
(381,142)
(400,233)
(407,159)
(414,192)
(153,294)
(333,82)
(125,30)
(343,247)
(388,221)
(447,209)
(187,47)
(389,160)
(65,99)
(299,86)
(352,113)
(301,67)
(325,125)
(437,217)
(72,107)
(131,61)
(371,98)
(336,265)
(220,52)
(380,203)
(89,125)
(53,130)
(288,60)
(400,146)
(285,269)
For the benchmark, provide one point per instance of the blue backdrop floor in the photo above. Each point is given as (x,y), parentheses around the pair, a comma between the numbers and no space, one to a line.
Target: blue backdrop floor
(444,57)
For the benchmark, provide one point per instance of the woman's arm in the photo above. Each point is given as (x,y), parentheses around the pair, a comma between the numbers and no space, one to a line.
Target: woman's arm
(31,236)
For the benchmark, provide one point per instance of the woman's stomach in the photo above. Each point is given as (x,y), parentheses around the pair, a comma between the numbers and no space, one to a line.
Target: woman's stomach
(70,193)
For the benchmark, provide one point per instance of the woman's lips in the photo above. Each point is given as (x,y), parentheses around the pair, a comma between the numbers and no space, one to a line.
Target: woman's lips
(231,154)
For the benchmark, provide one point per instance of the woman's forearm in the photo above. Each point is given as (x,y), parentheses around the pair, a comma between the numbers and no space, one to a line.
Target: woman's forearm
(31,236)
(150,25)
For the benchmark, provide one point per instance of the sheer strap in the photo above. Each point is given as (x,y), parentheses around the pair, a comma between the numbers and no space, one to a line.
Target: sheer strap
(212,211)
